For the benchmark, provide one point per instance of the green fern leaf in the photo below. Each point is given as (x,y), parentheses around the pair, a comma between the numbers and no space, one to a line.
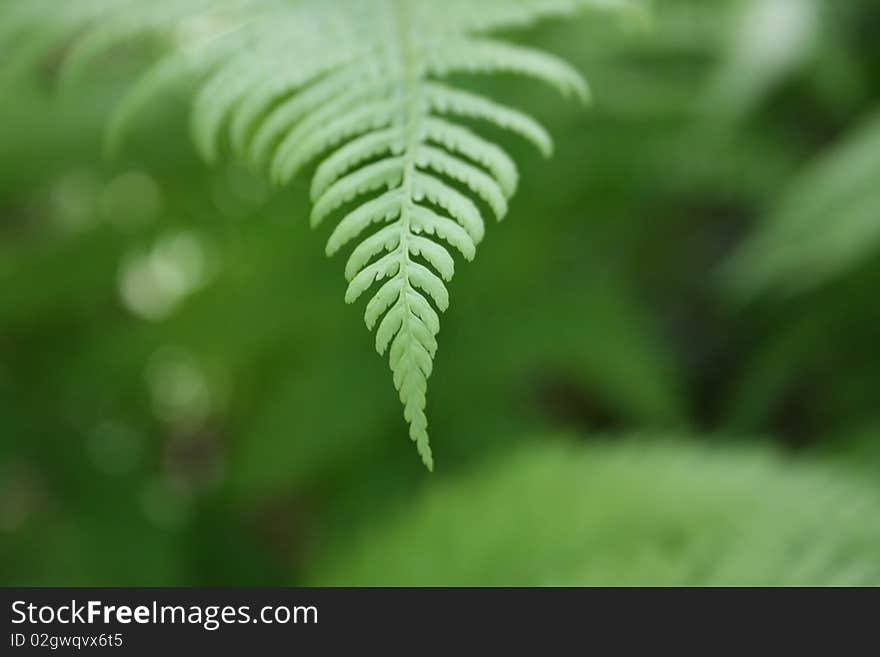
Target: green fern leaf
(826,221)
(353,87)
(633,511)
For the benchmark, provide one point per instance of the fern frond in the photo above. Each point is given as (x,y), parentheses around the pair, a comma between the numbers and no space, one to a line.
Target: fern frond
(643,511)
(356,88)
(825,222)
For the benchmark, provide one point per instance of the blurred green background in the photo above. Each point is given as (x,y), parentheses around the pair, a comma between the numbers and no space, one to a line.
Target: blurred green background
(662,368)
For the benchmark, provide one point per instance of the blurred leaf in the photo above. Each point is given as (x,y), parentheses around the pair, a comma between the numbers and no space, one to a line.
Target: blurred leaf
(644,513)
(826,222)
(773,38)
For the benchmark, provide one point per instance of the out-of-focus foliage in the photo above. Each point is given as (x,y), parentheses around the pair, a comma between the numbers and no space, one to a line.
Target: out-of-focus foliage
(639,513)
(184,400)
(826,222)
